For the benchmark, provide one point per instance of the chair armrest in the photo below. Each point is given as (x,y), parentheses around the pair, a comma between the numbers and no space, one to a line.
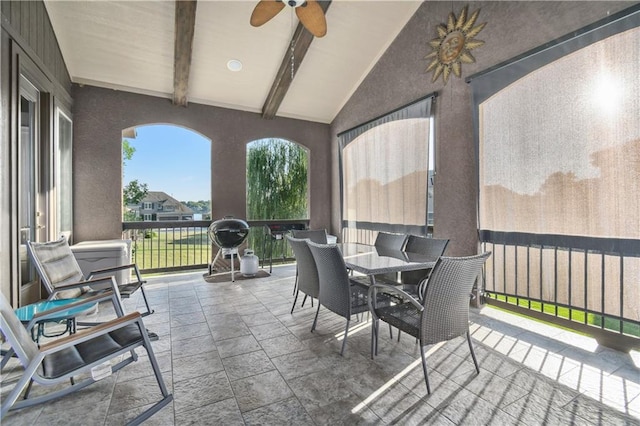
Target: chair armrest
(393,290)
(90,333)
(115,269)
(107,282)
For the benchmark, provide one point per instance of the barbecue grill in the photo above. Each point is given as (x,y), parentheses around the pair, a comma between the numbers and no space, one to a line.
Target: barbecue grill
(227,233)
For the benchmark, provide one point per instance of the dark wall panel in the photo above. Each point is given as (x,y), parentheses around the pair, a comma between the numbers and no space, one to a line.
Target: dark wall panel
(102,114)
(399,77)
(28,23)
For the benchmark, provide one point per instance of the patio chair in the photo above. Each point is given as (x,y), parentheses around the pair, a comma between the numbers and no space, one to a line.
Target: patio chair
(57,266)
(387,244)
(415,281)
(317,236)
(444,312)
(338,292)
(60,361)
(306,272)
(390,241)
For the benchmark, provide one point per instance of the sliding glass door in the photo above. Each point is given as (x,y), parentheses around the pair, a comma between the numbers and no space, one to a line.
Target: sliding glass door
(28,138)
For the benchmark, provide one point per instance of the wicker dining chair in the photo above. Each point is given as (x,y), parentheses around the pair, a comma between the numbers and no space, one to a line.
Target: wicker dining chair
(444,312)
(338,292)
(386,243)
(391,241)
(306,271)
(316,235)
(414,281)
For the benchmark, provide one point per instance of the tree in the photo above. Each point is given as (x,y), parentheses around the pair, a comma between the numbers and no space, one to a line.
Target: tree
(134,192)
(276,180)
(127,151)
(201,206)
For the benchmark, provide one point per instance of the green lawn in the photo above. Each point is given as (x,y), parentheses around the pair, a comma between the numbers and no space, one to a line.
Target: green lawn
(576,315)
(171,249)
(182,249)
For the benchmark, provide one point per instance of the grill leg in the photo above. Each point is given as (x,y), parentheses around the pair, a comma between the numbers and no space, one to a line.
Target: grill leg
(213,263)
(233,273)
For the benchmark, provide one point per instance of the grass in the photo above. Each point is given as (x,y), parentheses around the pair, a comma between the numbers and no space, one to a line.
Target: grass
(171,249)
(610,324)
(158,250)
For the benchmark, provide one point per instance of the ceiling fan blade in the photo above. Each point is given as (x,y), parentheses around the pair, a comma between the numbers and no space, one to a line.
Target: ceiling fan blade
(264,11)
(312,17)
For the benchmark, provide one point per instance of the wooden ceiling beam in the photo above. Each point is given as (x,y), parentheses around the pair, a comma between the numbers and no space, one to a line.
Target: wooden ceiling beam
(185,22)
(301,40)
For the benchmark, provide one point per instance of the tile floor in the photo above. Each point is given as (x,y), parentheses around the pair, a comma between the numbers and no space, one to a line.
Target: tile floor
(232,354)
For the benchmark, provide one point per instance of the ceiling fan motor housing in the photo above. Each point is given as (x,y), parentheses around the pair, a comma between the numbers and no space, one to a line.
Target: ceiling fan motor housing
(295,3)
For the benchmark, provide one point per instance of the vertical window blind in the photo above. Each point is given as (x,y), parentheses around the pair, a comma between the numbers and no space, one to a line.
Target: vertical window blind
(558,138)
(385,169)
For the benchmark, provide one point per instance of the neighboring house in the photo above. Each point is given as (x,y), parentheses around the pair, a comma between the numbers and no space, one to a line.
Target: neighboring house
(159,206)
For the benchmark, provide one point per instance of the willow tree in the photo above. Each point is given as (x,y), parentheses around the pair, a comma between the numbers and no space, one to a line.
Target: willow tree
(276,180)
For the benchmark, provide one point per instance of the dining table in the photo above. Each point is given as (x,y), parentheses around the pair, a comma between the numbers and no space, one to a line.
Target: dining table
(371,260)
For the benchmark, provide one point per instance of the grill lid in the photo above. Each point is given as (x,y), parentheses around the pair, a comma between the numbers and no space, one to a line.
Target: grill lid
(228,232)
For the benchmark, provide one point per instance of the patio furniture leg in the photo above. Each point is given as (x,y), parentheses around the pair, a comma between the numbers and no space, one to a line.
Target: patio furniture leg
(344,342)
(304,300)
(6,357)
(374,338)
(28,390)
(424,368)
(315,320)
(294,300)
(146,302)
(473,354)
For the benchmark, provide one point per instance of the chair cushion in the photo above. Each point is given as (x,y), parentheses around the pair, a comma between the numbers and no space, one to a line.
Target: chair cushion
(60,266)
(70,359)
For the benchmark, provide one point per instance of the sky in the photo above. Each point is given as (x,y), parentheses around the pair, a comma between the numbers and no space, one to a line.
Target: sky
(171,159)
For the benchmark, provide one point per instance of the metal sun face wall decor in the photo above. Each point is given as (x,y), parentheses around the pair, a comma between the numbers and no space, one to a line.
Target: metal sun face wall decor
(453,45)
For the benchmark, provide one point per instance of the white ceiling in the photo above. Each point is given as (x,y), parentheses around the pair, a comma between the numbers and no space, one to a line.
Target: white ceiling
(128,45)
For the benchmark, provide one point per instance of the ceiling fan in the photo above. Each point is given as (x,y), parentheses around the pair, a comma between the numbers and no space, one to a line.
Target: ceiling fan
(309,13)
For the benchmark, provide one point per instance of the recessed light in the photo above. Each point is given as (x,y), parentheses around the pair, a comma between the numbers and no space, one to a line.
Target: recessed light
(234,65)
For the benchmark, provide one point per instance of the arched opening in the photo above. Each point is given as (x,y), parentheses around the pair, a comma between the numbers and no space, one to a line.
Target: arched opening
(167,165)
(166,196)
(277,180)
(277,185)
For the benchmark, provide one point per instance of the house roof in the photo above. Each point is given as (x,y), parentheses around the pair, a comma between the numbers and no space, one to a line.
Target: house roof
(129,45)
(165,199)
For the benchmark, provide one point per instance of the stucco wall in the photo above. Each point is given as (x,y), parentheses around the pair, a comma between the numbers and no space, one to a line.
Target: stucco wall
(399,78)
(100,115)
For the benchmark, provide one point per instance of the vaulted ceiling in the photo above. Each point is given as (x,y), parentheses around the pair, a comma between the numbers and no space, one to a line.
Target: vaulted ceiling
(180,50)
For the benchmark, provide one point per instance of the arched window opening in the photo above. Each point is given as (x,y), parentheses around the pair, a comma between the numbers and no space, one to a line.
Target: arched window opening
(277,188)
(166,197)
(277,180)
(166,174)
